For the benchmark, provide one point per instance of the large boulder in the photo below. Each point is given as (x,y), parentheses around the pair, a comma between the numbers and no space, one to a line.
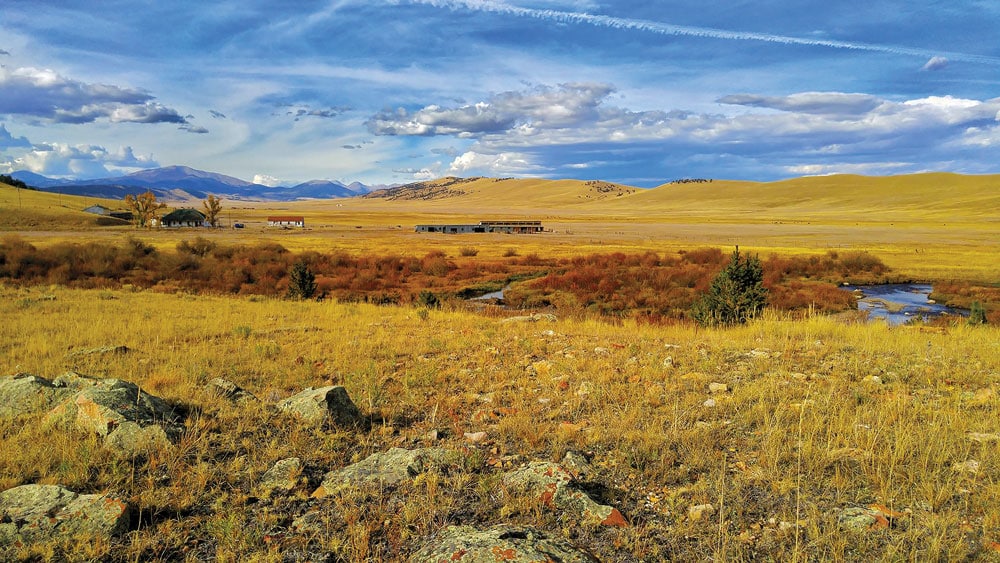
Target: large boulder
(129,419)
(500,543)
(32,513)
(387,468)
(326,403)
(556,488)
(25,394)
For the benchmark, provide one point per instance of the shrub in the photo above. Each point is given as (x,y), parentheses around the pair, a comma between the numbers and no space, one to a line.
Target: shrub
(428,299)
(302,282)
(737,293)
(468,251)
(977,314)
(510,252)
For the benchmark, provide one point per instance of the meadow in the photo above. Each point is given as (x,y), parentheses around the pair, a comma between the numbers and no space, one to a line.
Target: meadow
(784,426)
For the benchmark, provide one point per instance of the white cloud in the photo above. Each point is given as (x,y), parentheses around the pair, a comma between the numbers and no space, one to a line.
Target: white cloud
(869,168)
(265,180)
(493,164)
(79,161)
(935,63)
(43,93)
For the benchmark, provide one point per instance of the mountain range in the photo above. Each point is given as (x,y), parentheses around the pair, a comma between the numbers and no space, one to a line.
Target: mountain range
(181,183)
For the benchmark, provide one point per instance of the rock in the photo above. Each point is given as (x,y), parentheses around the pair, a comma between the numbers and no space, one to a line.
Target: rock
(317,405)
(857,519)
(555,487)
(718,388)
(668,362)
(475,437)
(129,419)
(600,351)
(283,476)
(874,379)
(585,389)
(576,463)
(533,318)
(970,466)
(229,390)
(499,543)
(32,513)
(382,469)
(24,394)
(120,350)
(709,403)
(983,437)
(700,512)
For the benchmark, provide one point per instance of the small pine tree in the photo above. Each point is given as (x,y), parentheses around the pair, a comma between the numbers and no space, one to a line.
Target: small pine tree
(302,282)
(737,293)
(977,314)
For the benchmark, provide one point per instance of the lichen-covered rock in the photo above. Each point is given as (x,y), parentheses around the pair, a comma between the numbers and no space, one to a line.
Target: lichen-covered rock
(387,468)
(109,350)
(129,418)
(318,405)
(283,476)
(227,389)
(24,394)
(32,513)
(466,544)
(555,488)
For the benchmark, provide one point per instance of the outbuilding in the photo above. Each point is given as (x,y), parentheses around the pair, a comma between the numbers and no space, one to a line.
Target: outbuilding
(184,218)
(286,221)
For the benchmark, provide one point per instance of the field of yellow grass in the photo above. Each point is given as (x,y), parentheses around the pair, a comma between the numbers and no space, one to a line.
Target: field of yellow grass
(784,427)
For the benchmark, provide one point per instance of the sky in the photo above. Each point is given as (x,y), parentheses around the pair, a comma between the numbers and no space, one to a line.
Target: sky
(640,92)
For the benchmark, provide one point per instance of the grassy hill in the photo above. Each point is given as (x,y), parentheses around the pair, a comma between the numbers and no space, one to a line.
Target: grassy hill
(33,210)
(907,198)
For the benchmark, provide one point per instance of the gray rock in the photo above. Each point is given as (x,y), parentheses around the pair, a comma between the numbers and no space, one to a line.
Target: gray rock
(31,513)
(386,468)
(555,487)
(25,394)
(283,476)
(857,519)
(500,543)
(317,405)
(533,318)
(119,350)
(229,390)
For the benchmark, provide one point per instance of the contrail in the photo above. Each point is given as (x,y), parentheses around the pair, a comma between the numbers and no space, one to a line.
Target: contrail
(692,31)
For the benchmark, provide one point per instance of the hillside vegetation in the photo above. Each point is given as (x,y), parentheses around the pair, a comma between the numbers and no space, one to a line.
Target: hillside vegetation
(31,210)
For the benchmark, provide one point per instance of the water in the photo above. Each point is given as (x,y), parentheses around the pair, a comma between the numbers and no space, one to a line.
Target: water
(900,303)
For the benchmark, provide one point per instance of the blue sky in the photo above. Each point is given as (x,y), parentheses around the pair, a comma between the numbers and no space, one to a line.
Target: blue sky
(638,92)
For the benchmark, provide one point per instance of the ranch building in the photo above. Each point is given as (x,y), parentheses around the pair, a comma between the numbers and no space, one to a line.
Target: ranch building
(286,221)
(509,227)
(184,218)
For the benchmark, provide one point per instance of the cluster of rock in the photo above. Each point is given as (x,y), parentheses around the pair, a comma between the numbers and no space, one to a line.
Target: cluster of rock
(133,422)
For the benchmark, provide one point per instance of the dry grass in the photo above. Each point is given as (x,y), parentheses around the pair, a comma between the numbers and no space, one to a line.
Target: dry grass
(803,432)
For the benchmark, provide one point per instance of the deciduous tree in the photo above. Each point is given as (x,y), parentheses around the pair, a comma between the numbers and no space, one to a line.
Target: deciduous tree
(212,206)
(144,207)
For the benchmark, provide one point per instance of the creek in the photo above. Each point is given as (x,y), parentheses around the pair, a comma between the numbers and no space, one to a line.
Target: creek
(899,303)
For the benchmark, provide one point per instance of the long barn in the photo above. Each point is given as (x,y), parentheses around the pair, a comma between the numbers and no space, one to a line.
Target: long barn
(509,227)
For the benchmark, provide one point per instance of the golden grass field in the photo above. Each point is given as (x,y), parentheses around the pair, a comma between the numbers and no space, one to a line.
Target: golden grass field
(820,416)
(926,226)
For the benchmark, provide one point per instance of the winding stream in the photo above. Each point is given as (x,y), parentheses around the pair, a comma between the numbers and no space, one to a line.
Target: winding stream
(899,303)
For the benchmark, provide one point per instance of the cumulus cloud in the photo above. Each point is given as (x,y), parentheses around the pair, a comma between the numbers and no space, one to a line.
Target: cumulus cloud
(4,52)
(566,105)
(266,180)
(79,161)
(8,141)
(539,131)
(45,94)
(935,63)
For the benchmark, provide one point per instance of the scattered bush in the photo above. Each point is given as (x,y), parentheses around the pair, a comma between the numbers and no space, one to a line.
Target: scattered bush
(468,251)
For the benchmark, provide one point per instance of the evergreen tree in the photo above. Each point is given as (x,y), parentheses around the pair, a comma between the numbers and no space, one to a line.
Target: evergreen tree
(737,293)
(302,282)
(977,314)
